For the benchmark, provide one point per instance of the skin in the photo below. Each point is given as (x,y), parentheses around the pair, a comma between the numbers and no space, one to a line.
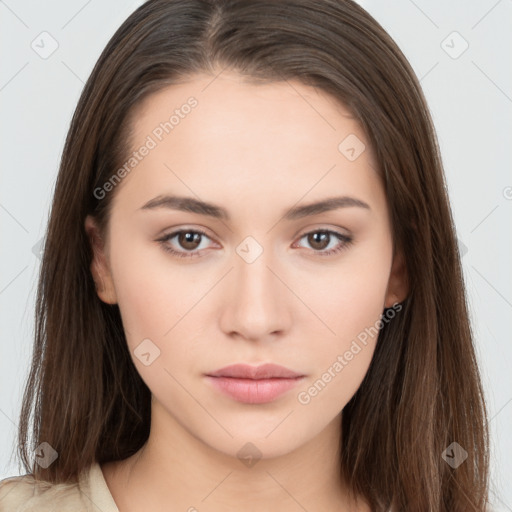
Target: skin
(256,150)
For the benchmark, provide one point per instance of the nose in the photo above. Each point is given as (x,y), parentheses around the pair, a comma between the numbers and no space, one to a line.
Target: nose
(256,301)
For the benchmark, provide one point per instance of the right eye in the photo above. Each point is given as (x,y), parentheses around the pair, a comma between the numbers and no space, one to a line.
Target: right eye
(187,238)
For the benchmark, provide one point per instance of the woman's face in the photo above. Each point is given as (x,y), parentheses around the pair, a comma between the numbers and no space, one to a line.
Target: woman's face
(270,280)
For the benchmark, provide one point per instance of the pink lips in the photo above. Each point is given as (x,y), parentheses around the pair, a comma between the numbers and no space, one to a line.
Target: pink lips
(254,384)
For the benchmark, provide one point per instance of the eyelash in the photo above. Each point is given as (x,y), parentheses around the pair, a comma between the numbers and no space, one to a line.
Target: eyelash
(346,241)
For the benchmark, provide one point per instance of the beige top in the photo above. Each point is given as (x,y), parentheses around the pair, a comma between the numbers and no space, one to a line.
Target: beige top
(24,494)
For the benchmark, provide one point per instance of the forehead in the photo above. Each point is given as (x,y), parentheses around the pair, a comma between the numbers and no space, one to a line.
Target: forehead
(231,103)
(226,137)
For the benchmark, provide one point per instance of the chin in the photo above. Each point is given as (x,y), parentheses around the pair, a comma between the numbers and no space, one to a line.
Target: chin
(257,440)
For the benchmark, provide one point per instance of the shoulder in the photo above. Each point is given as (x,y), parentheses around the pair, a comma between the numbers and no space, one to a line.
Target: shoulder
(25,494)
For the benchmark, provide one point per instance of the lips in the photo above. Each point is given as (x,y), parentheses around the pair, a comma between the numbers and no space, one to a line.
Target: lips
(265,371)
(254,384)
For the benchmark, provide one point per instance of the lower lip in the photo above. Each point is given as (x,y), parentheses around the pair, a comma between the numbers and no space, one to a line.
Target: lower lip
(252,391)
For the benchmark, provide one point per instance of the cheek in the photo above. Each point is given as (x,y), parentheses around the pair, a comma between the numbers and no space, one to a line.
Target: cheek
(350,301)
(154,315)
(351,307)
(159,303)
(350,297)
(148,296)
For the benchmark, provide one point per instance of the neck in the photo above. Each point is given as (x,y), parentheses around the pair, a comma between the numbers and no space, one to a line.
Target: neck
(177,469)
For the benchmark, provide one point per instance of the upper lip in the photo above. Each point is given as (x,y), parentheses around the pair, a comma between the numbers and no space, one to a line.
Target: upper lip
(264,371)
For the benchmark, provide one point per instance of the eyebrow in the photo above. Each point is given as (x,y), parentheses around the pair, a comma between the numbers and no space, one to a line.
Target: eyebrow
(190,204)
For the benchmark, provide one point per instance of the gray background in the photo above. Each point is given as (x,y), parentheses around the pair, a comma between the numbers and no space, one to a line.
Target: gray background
(470,96)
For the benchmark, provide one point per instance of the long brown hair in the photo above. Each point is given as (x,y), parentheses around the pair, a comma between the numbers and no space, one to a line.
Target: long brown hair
(422,391)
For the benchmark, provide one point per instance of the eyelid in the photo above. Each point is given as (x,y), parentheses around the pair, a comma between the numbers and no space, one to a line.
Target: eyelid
(330,228)
(184,227)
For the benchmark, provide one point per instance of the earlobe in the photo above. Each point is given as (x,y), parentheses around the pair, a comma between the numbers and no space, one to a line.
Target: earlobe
(99,267)
(398,285)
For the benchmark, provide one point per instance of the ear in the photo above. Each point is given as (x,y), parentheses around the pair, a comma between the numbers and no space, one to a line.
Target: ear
(100,269)
(398,286)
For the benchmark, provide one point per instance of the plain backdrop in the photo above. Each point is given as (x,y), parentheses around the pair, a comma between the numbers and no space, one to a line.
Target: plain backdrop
(460,50)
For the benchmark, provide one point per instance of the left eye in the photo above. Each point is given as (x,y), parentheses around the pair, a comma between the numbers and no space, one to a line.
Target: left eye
(318,238)
(189,240)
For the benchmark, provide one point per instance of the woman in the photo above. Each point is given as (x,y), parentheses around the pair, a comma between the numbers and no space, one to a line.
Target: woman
(251,294)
